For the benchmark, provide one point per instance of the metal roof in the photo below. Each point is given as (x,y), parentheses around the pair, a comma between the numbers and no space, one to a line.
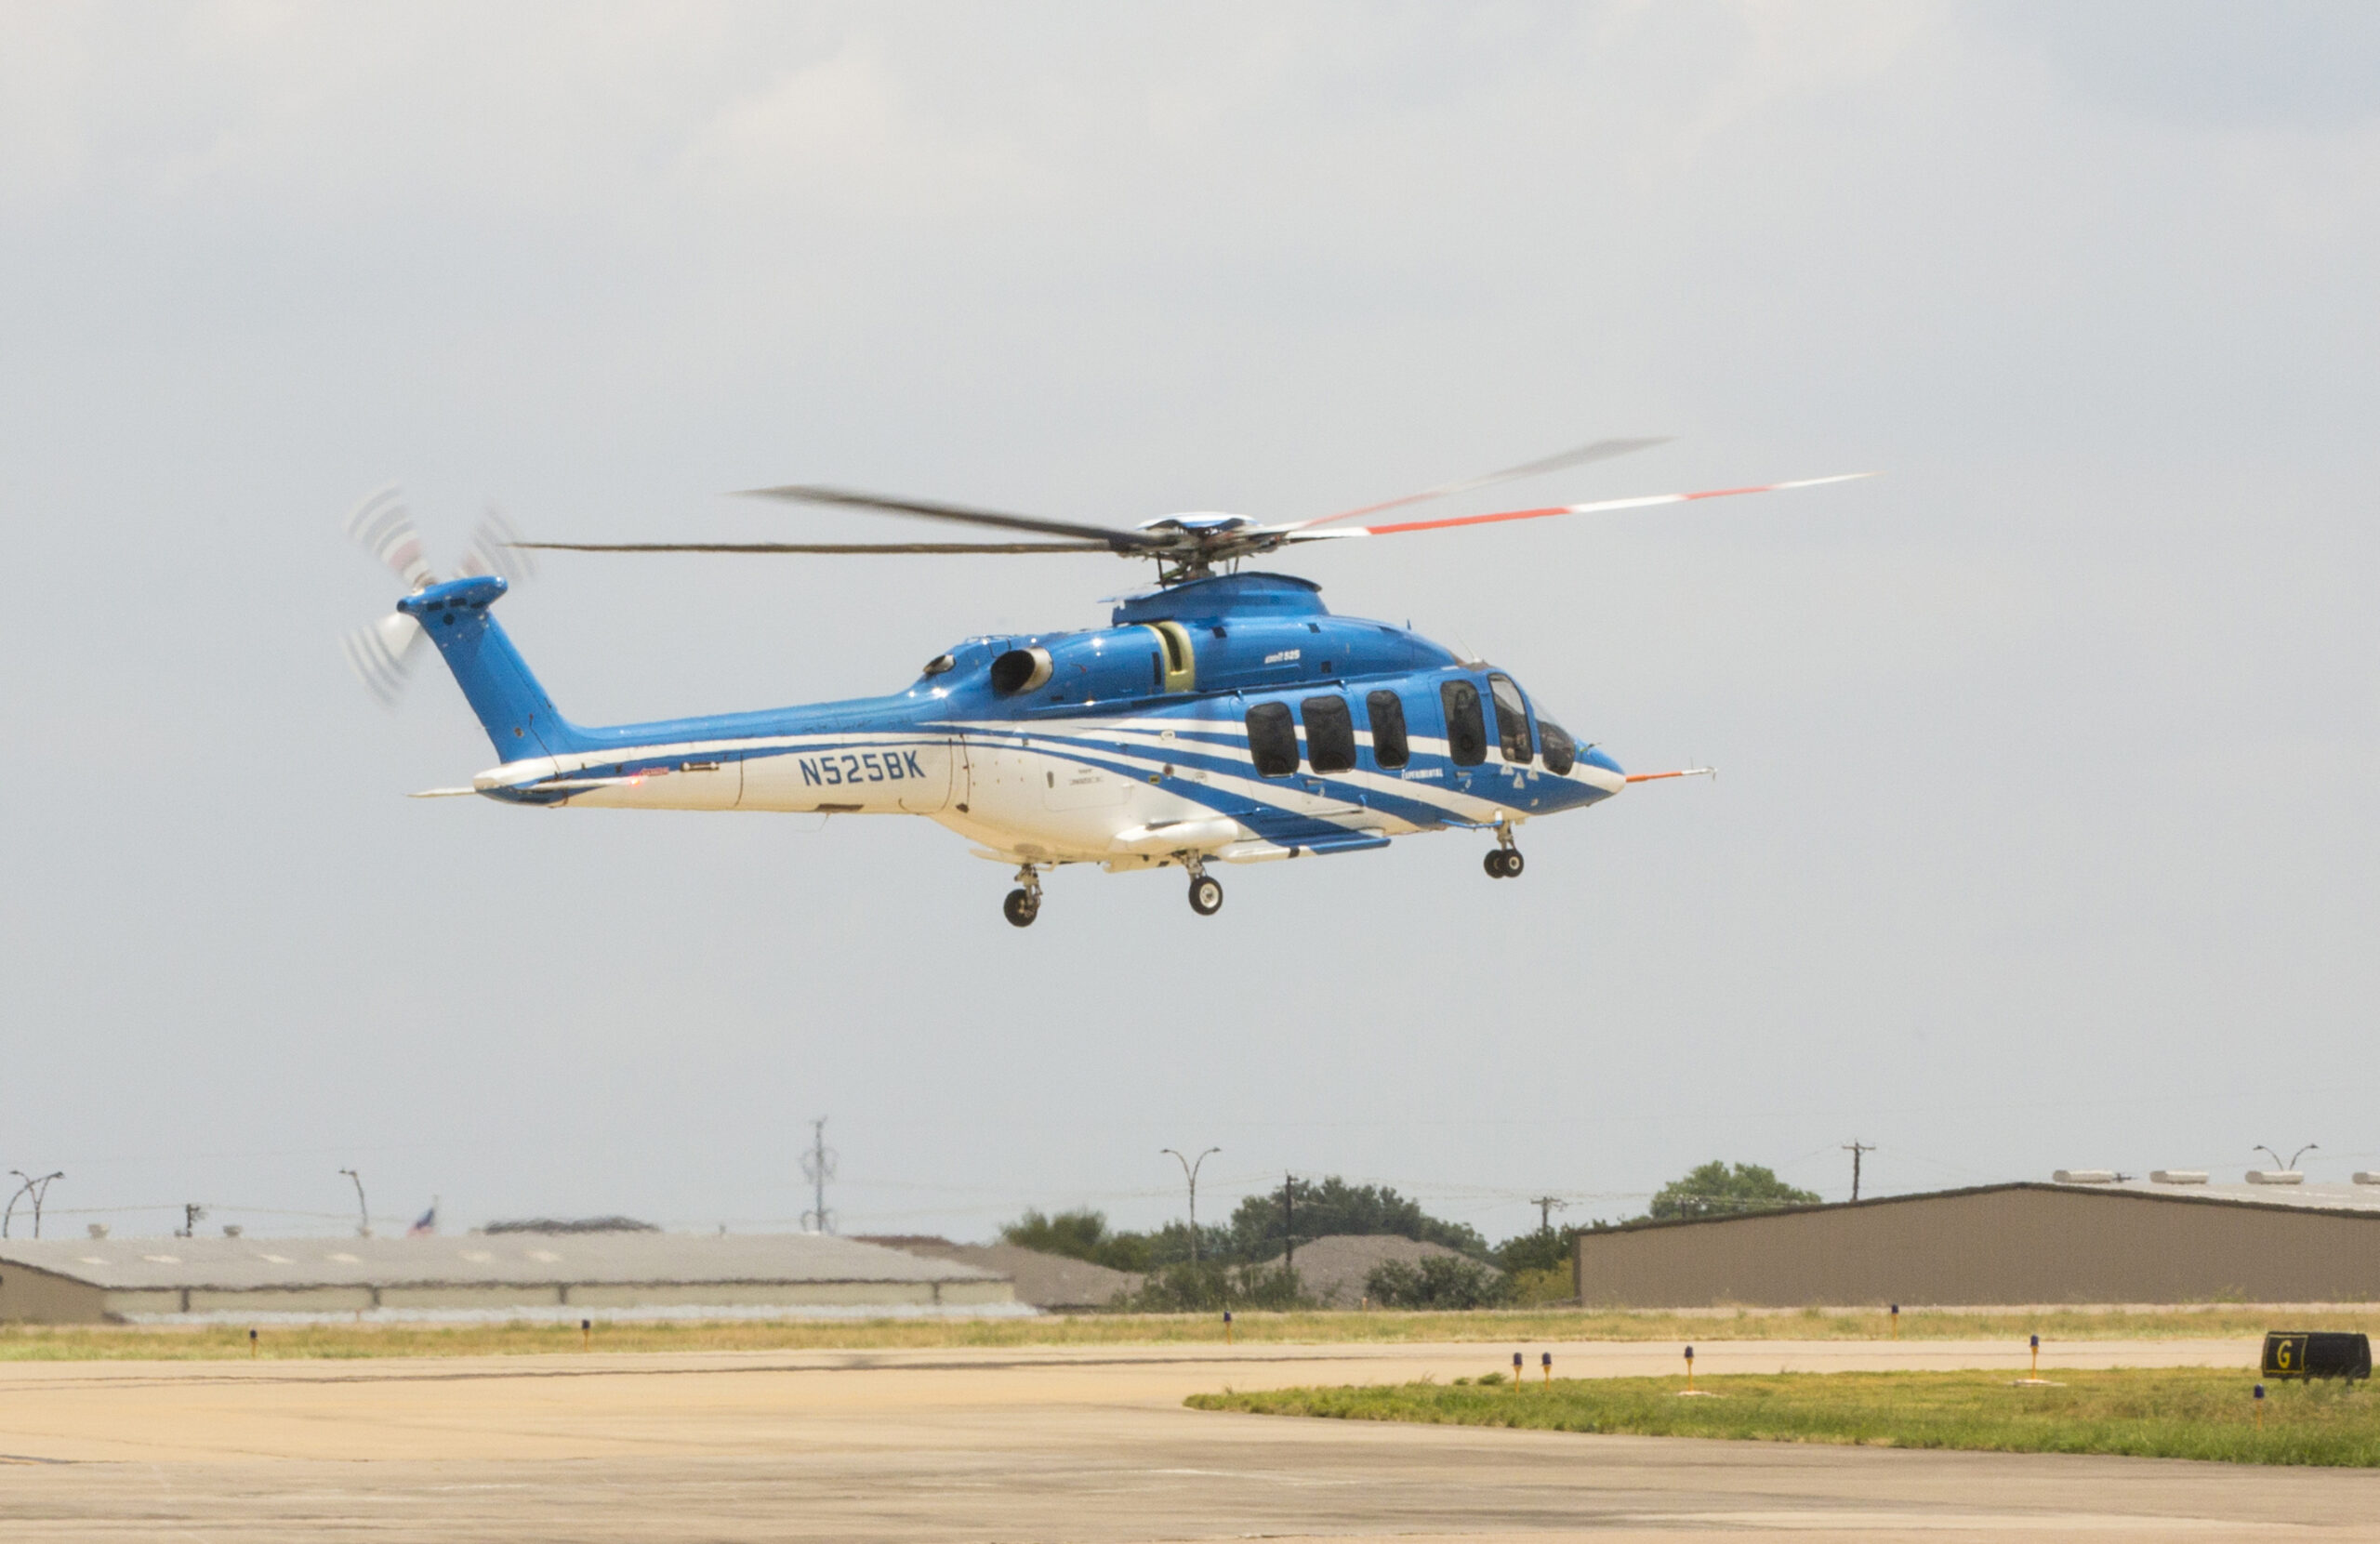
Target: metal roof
(640,1258)
(2359,1199)
(2326,1197)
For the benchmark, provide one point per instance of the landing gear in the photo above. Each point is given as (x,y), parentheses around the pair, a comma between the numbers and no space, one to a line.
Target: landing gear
(1023,904)
(1505,862)
(1205,895)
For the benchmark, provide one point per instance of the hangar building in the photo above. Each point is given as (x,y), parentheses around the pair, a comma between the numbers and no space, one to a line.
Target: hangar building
(510,1275)
(2022,1243)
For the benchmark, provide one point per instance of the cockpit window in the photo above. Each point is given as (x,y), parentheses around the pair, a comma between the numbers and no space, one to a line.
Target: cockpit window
(939,664)
(1466,731)
(1512,718)
(1561,751)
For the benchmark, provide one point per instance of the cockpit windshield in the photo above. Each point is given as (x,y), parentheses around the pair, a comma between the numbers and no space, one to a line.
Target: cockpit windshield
(1561,751)
(1512,718)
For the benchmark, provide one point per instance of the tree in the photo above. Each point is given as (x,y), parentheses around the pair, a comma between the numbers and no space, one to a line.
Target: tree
(1077,1235)
(1331,1206)
(1721,1190)
(1084,1234)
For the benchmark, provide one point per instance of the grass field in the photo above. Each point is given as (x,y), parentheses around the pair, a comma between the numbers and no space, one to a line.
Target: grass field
(2184,1413)
(33,1342)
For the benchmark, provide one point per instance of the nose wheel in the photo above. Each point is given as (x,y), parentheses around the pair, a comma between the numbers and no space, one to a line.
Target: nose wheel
(1504,863)
(1023,904)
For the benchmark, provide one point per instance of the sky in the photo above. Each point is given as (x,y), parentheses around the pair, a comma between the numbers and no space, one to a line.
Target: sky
(2043,835)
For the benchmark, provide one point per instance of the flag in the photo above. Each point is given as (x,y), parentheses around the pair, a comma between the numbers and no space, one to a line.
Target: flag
(426,1224)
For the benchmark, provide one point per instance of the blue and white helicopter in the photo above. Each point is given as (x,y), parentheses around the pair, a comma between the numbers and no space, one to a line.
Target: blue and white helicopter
(1222,717)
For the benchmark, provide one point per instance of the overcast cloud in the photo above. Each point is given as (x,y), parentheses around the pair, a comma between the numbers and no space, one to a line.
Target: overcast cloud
(2045,835)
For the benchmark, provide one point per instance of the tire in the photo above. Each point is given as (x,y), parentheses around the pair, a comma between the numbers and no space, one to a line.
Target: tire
(1513,864)
(1206,895)
(1020,908)
(1494,863)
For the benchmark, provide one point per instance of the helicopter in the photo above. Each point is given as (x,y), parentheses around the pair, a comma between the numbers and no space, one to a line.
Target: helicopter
(1223,716)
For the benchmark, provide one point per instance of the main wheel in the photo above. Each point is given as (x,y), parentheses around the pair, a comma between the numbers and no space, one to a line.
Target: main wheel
(1021,907)
(1206,895)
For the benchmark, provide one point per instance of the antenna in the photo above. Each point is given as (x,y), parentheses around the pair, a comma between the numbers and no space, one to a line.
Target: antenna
(1856,1148)
(818,1165)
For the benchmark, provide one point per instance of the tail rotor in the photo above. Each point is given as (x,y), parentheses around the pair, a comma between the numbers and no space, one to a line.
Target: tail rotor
(382,655)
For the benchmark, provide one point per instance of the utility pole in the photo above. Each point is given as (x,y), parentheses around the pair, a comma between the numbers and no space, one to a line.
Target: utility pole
(1290,1221)
(363,1211)
(193,1215)
(1856,1148)
(819,1164)
(1546,1205)
(1190,1172)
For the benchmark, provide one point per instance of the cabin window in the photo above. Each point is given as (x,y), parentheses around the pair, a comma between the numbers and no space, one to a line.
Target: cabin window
(1561,751)
(1273,739)
(1512,718)
(1466,731)
(1389,748)
(1330,734)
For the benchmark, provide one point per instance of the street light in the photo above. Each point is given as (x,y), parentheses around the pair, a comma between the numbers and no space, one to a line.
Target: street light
(1190,1172)
(38,1187)
(364,1228)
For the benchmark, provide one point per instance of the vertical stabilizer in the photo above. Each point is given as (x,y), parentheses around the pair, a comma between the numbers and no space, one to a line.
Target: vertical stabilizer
(512,707)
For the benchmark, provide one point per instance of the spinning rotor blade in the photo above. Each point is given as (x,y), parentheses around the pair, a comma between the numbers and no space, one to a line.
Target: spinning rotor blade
(1601,450)
(381,654)
(383,526)
(492,549)
(1109,540)
(814,546)
(1600,507)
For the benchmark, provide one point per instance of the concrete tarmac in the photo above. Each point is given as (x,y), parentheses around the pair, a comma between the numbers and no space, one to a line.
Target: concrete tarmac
(1087,1444)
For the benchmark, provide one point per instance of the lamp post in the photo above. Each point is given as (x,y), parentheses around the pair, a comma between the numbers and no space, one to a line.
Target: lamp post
(1190,1172)
(35,1186)
(363,1212)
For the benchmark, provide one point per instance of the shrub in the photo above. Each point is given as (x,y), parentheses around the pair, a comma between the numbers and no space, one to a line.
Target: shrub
(1211,1286)
(1439,1281)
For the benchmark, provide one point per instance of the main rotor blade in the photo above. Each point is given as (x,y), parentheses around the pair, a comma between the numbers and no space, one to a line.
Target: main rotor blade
(1601,450)
(1115,541)
(1600,507)
(815,547)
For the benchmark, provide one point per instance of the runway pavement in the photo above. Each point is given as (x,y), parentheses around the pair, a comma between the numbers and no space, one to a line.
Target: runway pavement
(1074,1444)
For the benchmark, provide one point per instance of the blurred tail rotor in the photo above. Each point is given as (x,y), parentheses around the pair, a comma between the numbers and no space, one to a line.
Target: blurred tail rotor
(495,549)
(383,526)
(382,655)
